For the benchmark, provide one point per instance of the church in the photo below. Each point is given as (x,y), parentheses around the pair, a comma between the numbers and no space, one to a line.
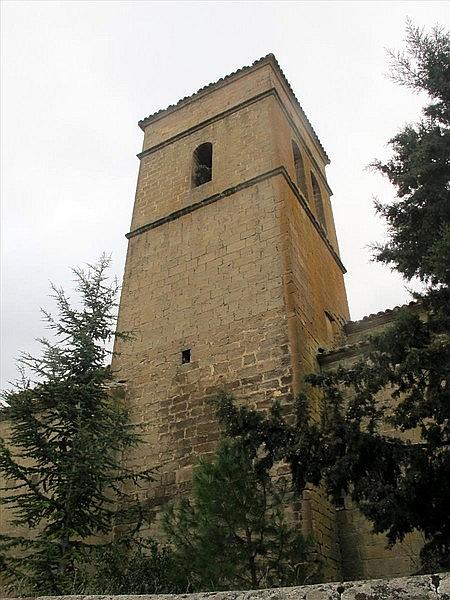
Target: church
(233,280)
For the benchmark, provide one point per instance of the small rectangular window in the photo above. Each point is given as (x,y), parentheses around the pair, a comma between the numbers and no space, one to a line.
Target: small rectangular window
(186,356)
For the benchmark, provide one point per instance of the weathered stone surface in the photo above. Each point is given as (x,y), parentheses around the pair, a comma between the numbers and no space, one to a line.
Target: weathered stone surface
(412,588)
(421,587)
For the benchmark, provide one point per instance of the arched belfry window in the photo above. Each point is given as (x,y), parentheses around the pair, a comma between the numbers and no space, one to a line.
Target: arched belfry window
(299,168)
(318,201)
(202,164)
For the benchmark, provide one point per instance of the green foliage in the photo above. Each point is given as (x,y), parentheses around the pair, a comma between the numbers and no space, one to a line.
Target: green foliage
(235,533)
(407,485)
(400,485)
(124,568)
(270,439)
(419,220)
(66,480)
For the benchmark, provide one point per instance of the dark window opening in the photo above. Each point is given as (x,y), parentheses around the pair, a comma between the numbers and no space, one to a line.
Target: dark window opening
(185,356)
(202,164)
(318,202)
(299,168)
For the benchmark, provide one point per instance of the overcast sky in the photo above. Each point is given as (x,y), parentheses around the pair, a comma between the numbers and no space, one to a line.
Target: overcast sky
(77,76)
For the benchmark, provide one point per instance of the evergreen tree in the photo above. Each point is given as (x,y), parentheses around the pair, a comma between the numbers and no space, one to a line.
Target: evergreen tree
(235,533)
(419,219)
(62,462)
(400,482)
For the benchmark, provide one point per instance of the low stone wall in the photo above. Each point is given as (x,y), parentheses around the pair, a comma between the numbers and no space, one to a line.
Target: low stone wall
(422,587)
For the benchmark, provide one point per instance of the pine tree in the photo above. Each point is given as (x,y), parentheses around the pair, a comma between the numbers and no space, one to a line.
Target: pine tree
(235,533)
(419,219)
(62,462)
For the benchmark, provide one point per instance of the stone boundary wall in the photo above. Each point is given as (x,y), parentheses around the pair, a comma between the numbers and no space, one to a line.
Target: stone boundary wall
(421,587)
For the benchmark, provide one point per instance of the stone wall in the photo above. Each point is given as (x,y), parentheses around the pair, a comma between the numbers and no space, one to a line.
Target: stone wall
(424,587)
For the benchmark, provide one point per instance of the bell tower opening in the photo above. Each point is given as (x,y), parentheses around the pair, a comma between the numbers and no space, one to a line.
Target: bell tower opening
(202,164)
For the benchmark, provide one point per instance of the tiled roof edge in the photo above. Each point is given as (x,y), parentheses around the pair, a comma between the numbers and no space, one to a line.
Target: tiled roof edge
(383,313)
(268,58)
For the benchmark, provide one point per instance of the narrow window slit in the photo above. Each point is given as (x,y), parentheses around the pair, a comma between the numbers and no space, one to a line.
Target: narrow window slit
(186,356)
(320,212)
(299,168)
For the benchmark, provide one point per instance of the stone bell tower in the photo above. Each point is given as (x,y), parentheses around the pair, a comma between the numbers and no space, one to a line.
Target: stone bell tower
(233,277)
